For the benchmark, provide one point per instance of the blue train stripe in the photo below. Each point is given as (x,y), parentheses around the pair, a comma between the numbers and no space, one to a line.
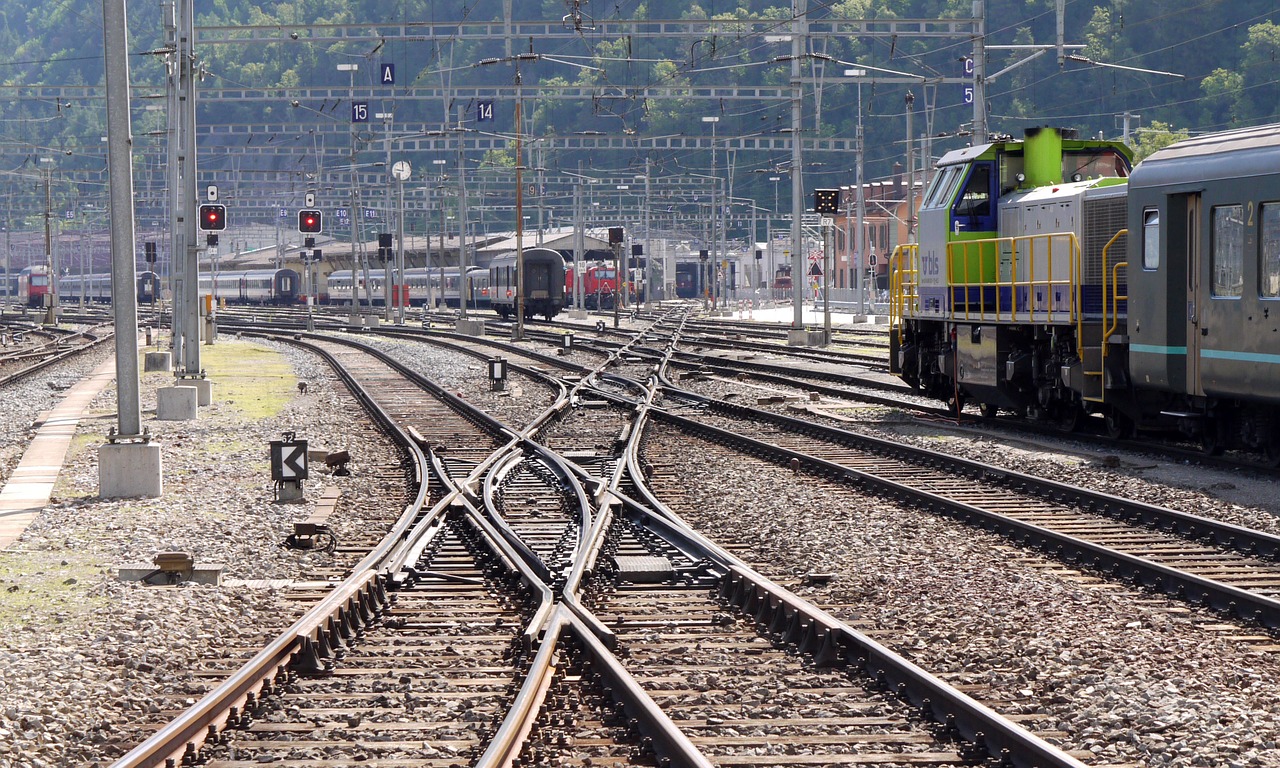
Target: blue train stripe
(1212,354)
(1155,349)
(1246,357)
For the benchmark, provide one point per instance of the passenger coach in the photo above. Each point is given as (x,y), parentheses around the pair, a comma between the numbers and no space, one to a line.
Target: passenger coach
(544,281)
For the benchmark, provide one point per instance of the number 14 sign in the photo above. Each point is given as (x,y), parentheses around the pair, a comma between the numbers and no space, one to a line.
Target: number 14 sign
(484,111)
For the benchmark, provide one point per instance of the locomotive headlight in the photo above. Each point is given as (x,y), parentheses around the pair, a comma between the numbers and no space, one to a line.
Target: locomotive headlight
(1077,177)
(1020,178)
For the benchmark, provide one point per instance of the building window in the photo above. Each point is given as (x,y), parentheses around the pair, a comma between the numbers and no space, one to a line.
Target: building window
(1151,239)
(1269,258)
(1227,251)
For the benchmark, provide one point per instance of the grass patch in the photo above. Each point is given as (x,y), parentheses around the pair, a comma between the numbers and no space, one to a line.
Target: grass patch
(45,584)
(256,381)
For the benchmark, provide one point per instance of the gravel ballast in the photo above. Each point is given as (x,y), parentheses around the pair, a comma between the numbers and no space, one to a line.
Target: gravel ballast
(89,660)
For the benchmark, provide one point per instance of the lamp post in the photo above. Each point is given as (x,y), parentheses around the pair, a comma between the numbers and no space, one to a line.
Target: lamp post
(351,70)
(400,170)
(52,316)
(387,267)
(715,239)
(769,234)
(440,176)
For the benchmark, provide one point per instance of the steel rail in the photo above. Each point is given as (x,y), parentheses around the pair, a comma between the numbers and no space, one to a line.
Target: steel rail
(1227,535)
(58,357)
(350,604)
(833,642)
(1241,603)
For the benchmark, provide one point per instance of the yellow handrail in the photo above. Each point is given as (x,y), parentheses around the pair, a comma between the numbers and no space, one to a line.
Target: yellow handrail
(1109,326)
(960,252)
(904,276)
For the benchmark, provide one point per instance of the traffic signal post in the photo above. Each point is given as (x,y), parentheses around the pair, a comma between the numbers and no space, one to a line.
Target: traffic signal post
(826,202)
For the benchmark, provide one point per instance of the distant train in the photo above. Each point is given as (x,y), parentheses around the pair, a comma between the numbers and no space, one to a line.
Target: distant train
(254,286)
(33,285)
(423,283)
(599,285)
(544,281)
(97,288)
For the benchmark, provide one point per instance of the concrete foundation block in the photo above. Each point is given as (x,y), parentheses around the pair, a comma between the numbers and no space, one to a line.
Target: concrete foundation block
(802,337)
(204,389)
(577,314)
(290,491)
(372,321)
(130,470)
(880,319)
(471,327)
(177,403)
(157,361)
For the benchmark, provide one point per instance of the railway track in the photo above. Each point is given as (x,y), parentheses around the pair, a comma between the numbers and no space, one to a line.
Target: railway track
(1232,569)
(465,631)
(743,696)
(424,684)
(25,352)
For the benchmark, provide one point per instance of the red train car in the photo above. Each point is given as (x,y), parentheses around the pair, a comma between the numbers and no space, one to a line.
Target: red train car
(599,285)
(33,285)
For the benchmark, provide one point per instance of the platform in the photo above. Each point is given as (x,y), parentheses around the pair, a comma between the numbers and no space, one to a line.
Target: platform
(31,484)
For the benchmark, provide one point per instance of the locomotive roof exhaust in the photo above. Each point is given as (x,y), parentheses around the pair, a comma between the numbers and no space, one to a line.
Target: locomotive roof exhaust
(1042,155)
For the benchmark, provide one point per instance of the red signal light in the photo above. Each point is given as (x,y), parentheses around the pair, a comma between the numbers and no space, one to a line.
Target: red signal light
(310,221)
(213,217)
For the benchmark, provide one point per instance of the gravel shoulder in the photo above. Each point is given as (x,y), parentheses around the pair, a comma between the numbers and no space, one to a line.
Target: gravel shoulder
(85,656)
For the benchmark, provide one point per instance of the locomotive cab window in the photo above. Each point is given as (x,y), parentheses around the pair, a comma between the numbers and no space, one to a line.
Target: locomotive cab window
(1095,164)
(1011,166)
(972,211)
(942,190)
(1269,256)
(1227,251)
(1151,239)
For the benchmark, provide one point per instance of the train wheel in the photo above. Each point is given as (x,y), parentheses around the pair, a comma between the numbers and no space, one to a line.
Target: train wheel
(1119,425)
(1211,438)
(1067,418)
(1271,451)
(988,410)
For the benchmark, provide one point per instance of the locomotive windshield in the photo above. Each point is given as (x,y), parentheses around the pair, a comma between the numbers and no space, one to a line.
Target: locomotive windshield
(1102,164)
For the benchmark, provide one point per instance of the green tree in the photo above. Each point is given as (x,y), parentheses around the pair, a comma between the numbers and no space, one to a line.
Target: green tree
(1222,90)
(1156,137)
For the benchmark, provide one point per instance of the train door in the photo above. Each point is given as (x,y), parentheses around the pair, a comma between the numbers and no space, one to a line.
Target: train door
(1195,267)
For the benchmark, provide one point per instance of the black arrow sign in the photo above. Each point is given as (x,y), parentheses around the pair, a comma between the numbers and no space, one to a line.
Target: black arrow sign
(295,463)
(288,460)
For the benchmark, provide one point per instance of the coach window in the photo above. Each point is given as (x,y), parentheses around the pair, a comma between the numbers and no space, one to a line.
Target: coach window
(1227,251)
(1151,239)
(1269,253)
